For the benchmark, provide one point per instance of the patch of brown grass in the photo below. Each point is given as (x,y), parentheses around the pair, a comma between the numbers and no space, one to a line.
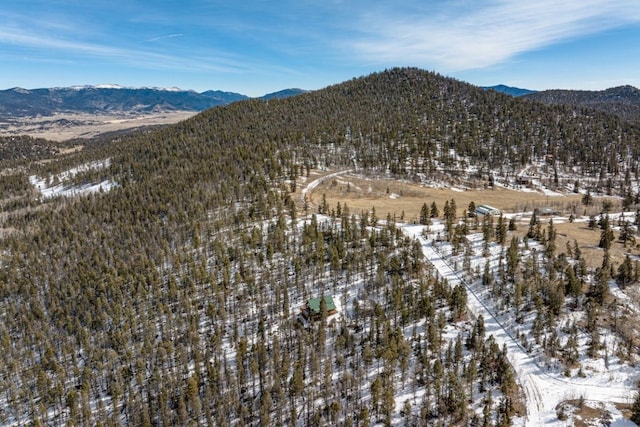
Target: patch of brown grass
(625,409)
(588,243)
(588,413)
(395,197)
(87,125)
(403,200)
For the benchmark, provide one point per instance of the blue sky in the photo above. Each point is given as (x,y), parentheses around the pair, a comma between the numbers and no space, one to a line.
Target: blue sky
(260,46)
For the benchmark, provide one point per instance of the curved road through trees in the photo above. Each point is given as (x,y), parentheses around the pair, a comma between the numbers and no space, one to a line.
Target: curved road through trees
(543,391)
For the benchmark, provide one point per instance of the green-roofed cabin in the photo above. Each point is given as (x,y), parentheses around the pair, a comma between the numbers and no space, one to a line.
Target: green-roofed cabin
(312,308)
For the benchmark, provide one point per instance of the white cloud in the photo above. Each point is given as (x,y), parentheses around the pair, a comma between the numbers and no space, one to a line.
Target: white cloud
(22,38)
(144,58)
(170,36)
(484,33)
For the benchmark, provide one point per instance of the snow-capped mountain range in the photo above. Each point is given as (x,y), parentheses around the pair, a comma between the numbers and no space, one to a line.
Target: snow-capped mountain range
(113,98)
(117,86)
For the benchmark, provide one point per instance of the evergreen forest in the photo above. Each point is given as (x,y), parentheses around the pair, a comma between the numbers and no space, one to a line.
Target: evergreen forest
(171,295)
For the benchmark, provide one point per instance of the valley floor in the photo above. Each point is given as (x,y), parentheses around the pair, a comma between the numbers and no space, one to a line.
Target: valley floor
(65,126)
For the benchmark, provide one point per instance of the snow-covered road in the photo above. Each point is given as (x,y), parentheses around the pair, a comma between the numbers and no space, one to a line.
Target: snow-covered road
(313,184)
(543,390)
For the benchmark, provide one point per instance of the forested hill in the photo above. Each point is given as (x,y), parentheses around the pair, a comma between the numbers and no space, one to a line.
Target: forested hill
(408,121)
(623,101)
(168,295)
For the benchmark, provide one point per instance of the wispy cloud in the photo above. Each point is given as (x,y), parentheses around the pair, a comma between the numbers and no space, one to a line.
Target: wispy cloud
(20,38)
(170,36)
(143,58)
(486,32)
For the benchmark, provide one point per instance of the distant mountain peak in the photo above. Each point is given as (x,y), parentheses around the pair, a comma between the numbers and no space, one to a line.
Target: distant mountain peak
(509,90)
(109,97)
(623,101)
(626,90)
(121,87)
(109,86)
(285,93)
(106,98)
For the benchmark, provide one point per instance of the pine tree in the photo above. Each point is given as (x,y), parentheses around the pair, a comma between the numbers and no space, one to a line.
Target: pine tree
(458,301)
(424,215)
(434,210)
(550,244)
(512,258)
(471,210)
(534,227)
(606,235)
(501,230)
(625,273)
(627,234)
(449,217)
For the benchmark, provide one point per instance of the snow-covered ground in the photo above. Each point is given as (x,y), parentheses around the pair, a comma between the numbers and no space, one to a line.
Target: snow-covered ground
(313,184)
(58,186)
(544,390)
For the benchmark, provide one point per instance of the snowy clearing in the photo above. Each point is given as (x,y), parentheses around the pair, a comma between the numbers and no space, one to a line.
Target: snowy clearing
(60,186)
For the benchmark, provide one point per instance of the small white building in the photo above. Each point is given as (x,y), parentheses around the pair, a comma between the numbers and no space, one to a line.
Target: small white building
(483,210)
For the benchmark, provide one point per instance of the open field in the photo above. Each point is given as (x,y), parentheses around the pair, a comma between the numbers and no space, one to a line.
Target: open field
(403,201)
(64,126)
(587,241)
(395,197)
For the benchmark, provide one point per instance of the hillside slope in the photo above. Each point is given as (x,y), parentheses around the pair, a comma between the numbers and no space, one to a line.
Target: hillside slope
(158,278)
(623,101)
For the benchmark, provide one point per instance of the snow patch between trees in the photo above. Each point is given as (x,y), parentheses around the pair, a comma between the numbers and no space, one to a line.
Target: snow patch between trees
(61,185)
